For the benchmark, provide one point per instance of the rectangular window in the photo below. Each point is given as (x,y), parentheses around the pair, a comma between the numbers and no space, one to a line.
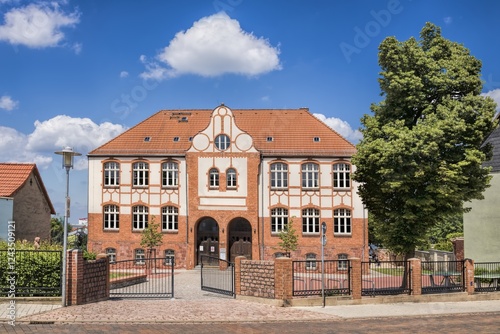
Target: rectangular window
(140,174)
(279,219)
(111,217)
(342,221)
(170,174)
(310,176)
(170,218)
(139,256)
(111,253)
(311,261)
(310,221)
(341,176)
(343,263)
(279,176)
(111,174)
(140,217)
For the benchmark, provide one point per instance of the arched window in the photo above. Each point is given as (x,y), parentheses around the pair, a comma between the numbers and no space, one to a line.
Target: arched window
(279,219)
(140,172)
(310,175)
(139,217)
(342,221)
(214,178)
(231,178)
(170,218)
(169,257)
(310,221)
(341,175)
(111,253)
(170,174)
(111,217)
(279,175)
(111,174)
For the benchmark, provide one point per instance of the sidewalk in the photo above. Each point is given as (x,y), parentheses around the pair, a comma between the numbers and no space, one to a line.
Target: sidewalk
(192,305)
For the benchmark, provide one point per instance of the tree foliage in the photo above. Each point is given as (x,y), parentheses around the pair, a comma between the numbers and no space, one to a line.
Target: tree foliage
(288,237)
(151,236)
(57,230)
(420,157)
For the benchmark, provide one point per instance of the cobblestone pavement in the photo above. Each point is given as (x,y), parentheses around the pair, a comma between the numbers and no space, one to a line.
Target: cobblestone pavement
(196,311)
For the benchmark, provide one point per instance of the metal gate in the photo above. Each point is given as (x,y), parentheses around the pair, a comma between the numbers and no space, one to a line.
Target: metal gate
(217,275)
(142,278)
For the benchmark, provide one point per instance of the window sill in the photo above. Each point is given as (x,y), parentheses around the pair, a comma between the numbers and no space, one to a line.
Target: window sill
(310,234)
(115,230)
(170,231)
(342,235)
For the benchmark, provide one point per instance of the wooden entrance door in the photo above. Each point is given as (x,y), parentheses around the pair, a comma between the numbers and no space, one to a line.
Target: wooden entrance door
(240,239)
(207,241)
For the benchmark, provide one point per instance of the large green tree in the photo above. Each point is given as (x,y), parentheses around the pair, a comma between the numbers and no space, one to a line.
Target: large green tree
(420,157)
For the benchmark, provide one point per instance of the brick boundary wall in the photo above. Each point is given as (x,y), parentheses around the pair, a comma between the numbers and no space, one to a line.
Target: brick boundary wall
(86,281)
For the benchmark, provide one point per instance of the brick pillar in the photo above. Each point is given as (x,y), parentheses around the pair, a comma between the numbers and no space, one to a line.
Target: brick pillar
(104,257)
(469,276)
(237,274)
(283,279)
(416,276)
(74,277)
(355,279)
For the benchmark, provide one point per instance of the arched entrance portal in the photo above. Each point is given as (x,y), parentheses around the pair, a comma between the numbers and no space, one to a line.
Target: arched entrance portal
(240,239)
(207,239)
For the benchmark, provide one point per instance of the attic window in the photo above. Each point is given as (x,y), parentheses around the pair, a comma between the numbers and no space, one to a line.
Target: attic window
(147,139)
(176,139)
(190,139)
(269,139)
(183,119)
(316,139)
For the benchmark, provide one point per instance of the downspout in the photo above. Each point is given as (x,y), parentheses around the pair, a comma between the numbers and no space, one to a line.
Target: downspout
(187,204)
(262,207)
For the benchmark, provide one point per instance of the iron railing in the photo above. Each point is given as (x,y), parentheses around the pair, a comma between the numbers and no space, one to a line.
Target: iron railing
(443,276)
(385,278)
(30,273)
(148,277)
(217,275)
(310,280)
(486,276)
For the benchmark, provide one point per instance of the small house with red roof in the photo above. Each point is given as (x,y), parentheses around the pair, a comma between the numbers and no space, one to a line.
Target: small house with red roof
(29,205)
(225,183)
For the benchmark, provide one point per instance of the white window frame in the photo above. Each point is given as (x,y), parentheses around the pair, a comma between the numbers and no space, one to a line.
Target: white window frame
(213,178)
(310,175)
(169,255)
(170,219)
(311,261)
(343,261)
(140,215)
(279,175)
(140,172)
(111,253)
(341,176)
(231,178)
(139,256)
(279,219)
(222,142)
(342,224)
(111,174)
(170,174)
(310,221)
(111,217)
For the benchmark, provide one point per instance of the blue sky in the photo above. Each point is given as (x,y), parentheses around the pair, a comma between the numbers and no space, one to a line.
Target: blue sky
(78,73)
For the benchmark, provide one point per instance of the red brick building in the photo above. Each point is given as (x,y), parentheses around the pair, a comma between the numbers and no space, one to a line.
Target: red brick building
(224,182)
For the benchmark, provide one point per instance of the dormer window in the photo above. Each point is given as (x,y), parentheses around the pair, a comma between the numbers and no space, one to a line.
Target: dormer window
(176,139)
(147,139)
(316,139)
(269,139)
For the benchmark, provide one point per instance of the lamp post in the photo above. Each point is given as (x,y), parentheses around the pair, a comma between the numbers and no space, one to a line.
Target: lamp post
(67,162)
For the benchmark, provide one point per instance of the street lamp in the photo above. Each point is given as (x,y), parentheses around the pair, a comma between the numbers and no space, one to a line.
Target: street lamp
(67,162)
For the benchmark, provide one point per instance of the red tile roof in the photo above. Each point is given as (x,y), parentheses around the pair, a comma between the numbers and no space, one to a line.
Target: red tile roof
(292,132)
(14,175)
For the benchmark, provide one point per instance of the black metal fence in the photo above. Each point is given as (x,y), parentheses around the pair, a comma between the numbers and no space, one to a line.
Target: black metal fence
(385,278)
(142,278)
(443,276)
(217,275)
(308,278)
(486,276)
(30,273)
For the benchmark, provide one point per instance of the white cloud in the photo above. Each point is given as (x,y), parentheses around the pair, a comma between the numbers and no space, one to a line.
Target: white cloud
(123,74)
(54,134)
(448,19)
(37,25)
(342,127)
(495,95)
(7,103)
(213,46)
